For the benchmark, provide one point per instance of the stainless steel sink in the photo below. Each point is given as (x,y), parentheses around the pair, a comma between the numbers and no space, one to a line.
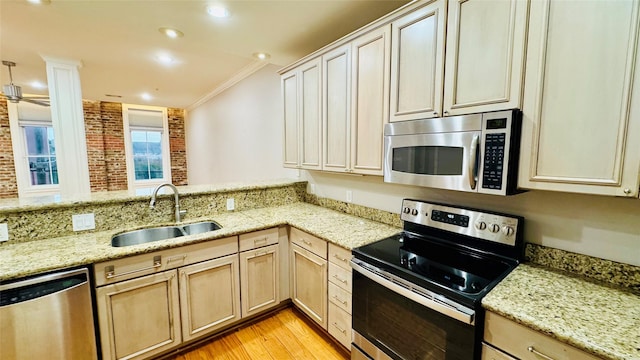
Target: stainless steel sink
(162,233)
(200,227)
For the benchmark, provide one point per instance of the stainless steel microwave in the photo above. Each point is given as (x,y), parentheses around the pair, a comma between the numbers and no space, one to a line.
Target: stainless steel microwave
(475,153)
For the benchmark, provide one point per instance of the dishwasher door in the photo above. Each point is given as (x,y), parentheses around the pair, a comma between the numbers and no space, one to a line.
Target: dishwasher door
(48,317)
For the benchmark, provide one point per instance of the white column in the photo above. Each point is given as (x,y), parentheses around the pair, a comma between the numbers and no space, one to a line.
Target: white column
(67,117)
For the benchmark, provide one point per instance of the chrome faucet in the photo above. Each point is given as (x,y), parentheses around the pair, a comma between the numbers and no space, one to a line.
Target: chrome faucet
(179,212)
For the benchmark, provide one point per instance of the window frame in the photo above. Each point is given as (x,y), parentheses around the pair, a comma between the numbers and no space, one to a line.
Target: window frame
(20,155)
(146,185)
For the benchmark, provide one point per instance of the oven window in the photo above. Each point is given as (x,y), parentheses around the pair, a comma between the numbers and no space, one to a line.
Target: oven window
(428,160)
(406,330)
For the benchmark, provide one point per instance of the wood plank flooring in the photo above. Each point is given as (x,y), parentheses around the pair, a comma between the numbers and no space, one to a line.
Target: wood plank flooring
(286,334)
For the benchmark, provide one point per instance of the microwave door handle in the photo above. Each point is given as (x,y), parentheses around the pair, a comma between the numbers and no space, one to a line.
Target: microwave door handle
(473,158)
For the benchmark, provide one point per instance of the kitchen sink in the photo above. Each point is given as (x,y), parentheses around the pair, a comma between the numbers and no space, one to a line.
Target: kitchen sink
(162,233)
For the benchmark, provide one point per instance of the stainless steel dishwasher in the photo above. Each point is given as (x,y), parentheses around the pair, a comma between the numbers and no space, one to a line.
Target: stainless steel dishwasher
(48,317)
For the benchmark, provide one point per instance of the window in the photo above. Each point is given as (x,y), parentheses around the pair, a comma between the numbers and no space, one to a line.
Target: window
(34,149)
(146,146)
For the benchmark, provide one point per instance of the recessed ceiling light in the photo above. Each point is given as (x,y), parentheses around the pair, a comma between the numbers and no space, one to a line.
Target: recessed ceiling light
(38,85)
(39,2)
(261,56)
(165,59)
(218,11)
(171,33)
(146,96)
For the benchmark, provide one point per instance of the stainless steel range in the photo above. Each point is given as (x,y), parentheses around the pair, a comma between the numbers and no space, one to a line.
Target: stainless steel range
(416,295)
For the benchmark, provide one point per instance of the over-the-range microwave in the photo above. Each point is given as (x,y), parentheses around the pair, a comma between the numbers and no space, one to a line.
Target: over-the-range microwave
(475,153)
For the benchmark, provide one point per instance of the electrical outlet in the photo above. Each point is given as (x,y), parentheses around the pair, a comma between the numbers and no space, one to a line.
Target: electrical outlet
(349,196)
(83,222)
(4,232)
(231,204)
(312,189)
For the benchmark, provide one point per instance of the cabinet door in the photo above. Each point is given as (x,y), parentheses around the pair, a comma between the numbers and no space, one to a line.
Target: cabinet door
(417,63)
(310,115)
(336,70)
(581,125)
(140,317)
(259,278)
(291,136)
(209,296)
(370,99)
(309,284)
(485,55)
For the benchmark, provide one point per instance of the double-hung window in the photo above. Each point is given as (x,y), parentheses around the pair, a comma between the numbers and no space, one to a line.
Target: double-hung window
(146,146)
(34,148)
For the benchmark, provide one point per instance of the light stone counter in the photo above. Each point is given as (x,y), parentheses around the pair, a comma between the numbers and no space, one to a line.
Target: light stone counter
(32,257)
(598,319)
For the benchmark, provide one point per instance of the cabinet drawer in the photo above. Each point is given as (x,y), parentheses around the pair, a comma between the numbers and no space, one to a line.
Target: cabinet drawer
(309,242)
(136,266)
(340,256)
(340,325)
(525,343)
(490,353)
(258,239)
(340,277)
(340,297)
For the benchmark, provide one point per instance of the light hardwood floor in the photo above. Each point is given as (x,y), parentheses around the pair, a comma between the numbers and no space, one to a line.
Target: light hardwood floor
(284,335)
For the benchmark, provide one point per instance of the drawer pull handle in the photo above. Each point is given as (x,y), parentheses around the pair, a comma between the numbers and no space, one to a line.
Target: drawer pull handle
(260,241)
(340,258)
(341,280)
(339,328)
(110,272)
(176,258)
(538,353)
(307,242)
(336,298)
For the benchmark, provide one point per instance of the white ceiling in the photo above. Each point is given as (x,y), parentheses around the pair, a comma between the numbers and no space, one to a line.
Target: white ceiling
(118,41)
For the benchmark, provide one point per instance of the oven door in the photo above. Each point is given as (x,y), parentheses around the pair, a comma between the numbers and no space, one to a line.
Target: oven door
(391,321)
(442,160)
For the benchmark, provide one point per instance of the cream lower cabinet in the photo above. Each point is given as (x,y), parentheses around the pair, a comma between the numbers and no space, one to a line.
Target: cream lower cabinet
(150,303)
(139,317)
(581,105)
(259,271)
(308,271)
(209,296)
(340,287)
(503,336)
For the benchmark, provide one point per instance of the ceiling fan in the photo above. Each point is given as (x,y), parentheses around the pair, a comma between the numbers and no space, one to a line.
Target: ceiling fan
(14,92)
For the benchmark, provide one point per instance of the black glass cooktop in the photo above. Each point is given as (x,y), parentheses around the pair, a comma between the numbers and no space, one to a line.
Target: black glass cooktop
(437,265)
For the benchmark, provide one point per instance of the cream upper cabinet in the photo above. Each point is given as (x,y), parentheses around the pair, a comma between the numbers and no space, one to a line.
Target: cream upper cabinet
(336,106)
(484,55)
(581,106)
(417,63)
(370,68)
(301,91)
(483,67)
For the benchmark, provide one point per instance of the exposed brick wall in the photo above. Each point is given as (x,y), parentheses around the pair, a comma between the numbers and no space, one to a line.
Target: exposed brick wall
(177,146)
(115,157)
(95,145)
(8,183)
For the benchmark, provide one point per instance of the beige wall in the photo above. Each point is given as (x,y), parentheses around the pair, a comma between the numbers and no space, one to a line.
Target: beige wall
(237,135)
(243,141)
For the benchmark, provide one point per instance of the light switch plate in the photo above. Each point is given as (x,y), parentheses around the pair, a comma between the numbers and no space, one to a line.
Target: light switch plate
(231,204)
(349,196)
(83,222)
(4,232)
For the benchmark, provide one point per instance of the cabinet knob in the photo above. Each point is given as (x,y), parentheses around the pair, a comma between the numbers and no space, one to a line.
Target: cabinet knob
(627,191)
(446,113)
(435,113)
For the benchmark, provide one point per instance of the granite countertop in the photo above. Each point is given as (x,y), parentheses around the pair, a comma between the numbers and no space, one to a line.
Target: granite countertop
(598,319)
(32,257)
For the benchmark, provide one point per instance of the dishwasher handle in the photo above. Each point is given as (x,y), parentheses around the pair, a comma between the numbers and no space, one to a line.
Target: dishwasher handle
(40,286)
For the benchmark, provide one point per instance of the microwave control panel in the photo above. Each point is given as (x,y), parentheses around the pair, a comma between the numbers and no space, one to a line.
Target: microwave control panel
(500,133)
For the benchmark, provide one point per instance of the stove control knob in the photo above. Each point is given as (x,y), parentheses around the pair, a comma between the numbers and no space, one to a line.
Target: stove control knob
(414,212)
(481,225)
(494,228)
(406,210)
(508,230)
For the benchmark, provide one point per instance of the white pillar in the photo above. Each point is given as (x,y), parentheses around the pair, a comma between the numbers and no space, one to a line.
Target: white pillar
(67,117)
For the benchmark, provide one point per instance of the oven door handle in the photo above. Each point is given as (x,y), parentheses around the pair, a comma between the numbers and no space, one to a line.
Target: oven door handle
(465,317)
